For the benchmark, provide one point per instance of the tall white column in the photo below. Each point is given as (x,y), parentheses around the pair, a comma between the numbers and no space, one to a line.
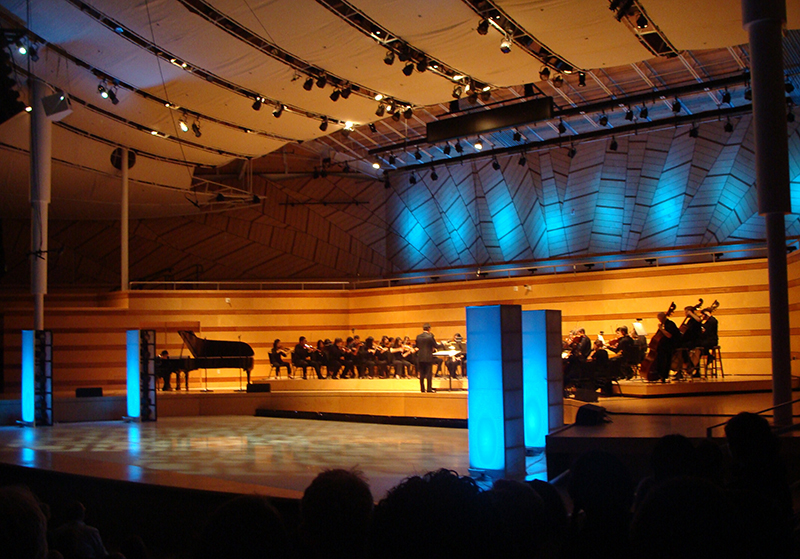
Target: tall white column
(41,158)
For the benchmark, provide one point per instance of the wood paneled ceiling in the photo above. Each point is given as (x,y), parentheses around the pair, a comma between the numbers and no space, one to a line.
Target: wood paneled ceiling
(261,195)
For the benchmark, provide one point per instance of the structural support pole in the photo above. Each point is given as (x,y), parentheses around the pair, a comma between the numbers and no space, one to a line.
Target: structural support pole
(41,157)
(764,20)
(124,223)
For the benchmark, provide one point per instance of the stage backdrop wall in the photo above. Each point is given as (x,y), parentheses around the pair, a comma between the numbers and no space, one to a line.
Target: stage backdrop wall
(89,328)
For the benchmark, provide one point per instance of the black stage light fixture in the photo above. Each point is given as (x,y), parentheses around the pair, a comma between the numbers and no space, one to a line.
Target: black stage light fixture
(372,128)
(641,22)
(457,91)
(644,112)
(726,97)
(405,55)
(412,179)
(101,89)
(517,137)
(335,95)
(389,58)
(544,73)
(561,128)
(613,146)
(408,69)
(324,124)
(422,65)
(629,114)
(459,147)
(196,130)
(434,176)
(278,111)
(558,81)
(408,113)
(112,95)
(346,91)
(676,106)
(495,164)
(728,126)
(581,79)
(322,81)
(417,155)
(257,104)
(182,124)
(308,84)
(33,54)
(572,152)
(527,90)
(380,110)
(483,27)
(485,95)
(447,149)
(694,131)
(396,116)
(522,160)
(603,120)
(392,159)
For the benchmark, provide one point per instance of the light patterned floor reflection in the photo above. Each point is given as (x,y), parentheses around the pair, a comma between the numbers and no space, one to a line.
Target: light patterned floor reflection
(284,453)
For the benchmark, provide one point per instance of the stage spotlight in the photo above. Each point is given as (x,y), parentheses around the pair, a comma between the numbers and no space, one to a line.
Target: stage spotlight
(558,81)
(641,22)
(478,145)
(517,137)
(408,113)
(459,147)
(412,179)
(603,120)
(322,81)
(495,164)
(483,27)
(324,124)
(522,160)
(101,89)
(629,115)
(33,54)
(390,108)
(372,128)
(644,112)
(561,128)
(581,79)
(422,65)
(676,106)
(726,97)
(572,152)
(417,155)
(21,48)
(408,69)
(789,86)
(196,130)
(613,146)
(182,123)
(112,95)
(728,126)
(380,110)
(447,149)
(473,97)
(457,91)
(396,116)
(434,176)
(278,111)
(694,131)
(505,45)
(392,159)
(389,58)
(335,95)
(485,94)
(308,84)
(257,104)
(346,92)
(544,73)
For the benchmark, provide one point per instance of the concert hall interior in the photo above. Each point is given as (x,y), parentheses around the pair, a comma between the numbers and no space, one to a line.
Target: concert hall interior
(230,178)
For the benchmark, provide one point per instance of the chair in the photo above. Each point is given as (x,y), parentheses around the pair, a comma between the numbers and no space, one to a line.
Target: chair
(714,362)
(276,365)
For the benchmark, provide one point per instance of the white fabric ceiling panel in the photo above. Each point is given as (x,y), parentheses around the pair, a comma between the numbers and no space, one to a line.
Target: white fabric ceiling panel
(316,35)
(583,32)
(446,31)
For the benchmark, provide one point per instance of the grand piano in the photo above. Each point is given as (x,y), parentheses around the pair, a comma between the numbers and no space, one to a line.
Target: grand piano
(206,354)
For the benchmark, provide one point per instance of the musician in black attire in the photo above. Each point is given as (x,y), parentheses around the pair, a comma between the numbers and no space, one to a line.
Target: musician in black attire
(398,355)
(626,354)
(426,345)
(459,358)
(335,358)
(302,358)
(671,339)
(365,358)
(276,356)
(710,335)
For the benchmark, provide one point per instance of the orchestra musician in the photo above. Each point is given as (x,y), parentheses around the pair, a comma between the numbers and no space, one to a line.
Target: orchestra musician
(626,354)
(459,358)
(670,340)
(691,333)
(426,345)
(276,356)
(398,353)
(336,359)
(577,348)
(410,355)
(710,335)
(365,358)
(302,357)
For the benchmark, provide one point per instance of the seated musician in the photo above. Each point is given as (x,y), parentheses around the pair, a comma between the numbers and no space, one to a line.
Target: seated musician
(337,363)
(302,358)
(577,350)
(276,355)
(164,372)
(691,334)
(365,359)
(383,357)
(410,355)
(399,353)
(319,355)
(710,336)
(626,354)
(459,358)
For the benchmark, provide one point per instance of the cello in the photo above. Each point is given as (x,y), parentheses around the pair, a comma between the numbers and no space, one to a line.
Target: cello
(645,368)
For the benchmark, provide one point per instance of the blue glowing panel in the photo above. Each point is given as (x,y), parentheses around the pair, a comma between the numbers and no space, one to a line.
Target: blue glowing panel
(28,388)
(485,400)
(534,377)
(134,397)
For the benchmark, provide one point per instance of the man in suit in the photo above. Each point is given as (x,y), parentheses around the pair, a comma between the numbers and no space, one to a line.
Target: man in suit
(426,345)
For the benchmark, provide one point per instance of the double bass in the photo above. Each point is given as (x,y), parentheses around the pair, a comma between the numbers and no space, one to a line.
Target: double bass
(652,350)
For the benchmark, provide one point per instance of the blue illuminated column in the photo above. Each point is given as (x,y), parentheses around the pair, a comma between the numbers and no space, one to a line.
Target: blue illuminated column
(134,380)
(542,375)
(496,439)
(28,388)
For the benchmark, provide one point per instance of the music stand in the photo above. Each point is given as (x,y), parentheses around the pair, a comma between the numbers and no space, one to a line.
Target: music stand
(449,353)
(205,381)
(240,389)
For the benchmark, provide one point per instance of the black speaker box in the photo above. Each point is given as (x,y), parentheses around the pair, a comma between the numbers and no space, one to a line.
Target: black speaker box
(259,387)
(93,392)
(590,414)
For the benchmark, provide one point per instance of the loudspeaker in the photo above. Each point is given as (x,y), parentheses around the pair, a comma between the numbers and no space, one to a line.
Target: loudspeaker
(259,387)
(57,106)
(590,414)
(93,392)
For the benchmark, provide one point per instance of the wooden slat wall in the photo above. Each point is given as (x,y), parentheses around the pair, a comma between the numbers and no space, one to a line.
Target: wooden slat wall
(89,329)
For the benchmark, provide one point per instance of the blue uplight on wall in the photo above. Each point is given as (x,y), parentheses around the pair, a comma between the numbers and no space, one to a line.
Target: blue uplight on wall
(534,377)
(133,385)
(28,388)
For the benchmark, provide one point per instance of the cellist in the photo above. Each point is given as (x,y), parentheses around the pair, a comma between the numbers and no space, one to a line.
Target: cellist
(671,338)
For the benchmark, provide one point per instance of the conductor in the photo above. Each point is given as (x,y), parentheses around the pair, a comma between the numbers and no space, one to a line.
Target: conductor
(426,345)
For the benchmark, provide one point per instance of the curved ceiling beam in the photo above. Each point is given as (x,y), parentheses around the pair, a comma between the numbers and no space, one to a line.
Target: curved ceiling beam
(234,28)
(501,21)
(196,71)
(632,13)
